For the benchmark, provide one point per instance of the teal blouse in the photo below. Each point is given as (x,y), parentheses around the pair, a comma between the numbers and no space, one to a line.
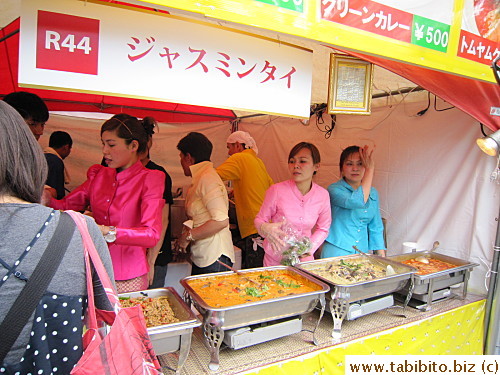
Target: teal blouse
(355,222)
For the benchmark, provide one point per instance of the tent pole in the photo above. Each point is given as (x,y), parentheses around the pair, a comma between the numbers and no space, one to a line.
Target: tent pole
(9,35)
(491,319)
(255,115)
(398,92)
(107,106)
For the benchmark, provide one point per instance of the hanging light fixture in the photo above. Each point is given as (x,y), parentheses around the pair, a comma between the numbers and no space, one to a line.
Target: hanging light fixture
(490,144)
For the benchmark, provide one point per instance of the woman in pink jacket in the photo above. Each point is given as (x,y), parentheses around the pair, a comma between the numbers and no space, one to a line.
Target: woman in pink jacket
(304,204)
(126,200)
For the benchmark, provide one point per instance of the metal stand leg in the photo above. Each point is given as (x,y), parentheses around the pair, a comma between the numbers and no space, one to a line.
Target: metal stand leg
(338,308)
(214,336)
(411,287)
(428,305)
(410,291)
(466,282)
(323,305)
(184,351)
(187,298)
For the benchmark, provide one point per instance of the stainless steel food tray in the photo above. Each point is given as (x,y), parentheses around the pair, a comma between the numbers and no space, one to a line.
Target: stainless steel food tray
(342,294)
(427,284)
(173,336)
(216,320)
(364,289)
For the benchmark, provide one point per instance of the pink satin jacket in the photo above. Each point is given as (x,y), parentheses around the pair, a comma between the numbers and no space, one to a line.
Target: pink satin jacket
(310,215)
(132,201)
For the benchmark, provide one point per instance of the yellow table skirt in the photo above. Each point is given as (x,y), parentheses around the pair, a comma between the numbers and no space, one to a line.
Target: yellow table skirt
(458,332)
(453,327)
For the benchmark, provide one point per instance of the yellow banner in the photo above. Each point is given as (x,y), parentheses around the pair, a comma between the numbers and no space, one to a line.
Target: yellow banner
(457,332)
(454,36)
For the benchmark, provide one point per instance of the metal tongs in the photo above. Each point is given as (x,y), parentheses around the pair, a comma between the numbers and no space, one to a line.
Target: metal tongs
(425,258)
(389,269)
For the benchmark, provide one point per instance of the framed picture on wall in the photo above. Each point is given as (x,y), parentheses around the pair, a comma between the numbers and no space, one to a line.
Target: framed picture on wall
(350,86)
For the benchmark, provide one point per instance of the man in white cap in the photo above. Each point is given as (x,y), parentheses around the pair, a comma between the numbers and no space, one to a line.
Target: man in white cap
(251,181)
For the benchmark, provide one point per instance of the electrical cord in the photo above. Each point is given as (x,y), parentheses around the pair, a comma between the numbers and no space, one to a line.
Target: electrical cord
(496,69)
(440,110)
(319,110)
(482,129)
(422,112)
(496,172)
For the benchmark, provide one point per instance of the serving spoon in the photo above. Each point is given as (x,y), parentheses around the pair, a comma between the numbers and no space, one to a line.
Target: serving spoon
(388,268)
(425,258)
(239,273)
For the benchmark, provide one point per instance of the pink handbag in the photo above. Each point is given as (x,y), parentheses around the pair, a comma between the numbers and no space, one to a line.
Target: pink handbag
(126,348)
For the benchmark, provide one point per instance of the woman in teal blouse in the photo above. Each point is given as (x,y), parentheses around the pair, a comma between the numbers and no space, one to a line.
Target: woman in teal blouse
(356,216)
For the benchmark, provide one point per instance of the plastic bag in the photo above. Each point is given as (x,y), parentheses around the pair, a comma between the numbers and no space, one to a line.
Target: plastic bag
(296,245)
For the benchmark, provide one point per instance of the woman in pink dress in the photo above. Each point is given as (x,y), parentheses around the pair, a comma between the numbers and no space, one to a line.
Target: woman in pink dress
(126,200)
(304,204)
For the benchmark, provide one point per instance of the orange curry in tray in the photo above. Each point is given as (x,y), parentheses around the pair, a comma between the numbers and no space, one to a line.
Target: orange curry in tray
(435,265)
(234,289)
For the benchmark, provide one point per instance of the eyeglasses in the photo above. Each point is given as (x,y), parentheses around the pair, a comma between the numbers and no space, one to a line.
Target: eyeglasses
(35,124)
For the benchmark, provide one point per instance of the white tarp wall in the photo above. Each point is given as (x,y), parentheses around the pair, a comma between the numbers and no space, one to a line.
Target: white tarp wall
(432,178)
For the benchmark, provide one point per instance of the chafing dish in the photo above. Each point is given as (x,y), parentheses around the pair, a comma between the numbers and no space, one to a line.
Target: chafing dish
(426,285)
(171,337)
(216,320)
(341,295)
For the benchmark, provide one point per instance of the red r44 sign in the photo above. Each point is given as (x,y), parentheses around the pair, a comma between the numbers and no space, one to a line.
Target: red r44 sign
(67,43)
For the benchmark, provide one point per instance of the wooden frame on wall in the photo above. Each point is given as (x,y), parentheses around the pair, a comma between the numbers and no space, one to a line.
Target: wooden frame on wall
(350,86)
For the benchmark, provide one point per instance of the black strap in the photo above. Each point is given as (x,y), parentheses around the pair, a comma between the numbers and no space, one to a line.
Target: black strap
(32,293)
(11,270)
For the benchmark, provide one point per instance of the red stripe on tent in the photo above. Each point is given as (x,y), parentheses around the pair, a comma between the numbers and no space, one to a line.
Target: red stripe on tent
(69,101)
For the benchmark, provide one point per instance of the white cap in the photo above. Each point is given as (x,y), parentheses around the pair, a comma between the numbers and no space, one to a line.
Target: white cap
(243,137)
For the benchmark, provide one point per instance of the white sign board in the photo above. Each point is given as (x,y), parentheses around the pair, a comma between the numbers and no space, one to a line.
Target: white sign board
(94,48)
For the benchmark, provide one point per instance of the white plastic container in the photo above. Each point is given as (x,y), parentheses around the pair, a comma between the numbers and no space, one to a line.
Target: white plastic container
(409,247)
(176,272)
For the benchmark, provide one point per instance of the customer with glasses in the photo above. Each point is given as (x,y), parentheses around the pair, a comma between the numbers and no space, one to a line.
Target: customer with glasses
(125,198)
(32,109)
